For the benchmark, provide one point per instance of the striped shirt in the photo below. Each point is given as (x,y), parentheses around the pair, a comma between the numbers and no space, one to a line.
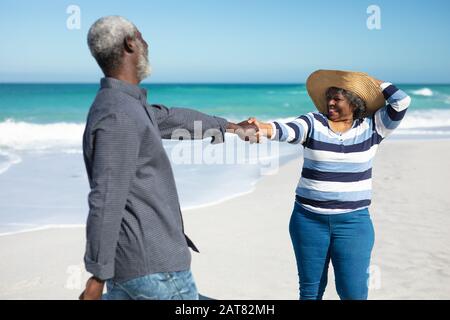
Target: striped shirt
(337,169)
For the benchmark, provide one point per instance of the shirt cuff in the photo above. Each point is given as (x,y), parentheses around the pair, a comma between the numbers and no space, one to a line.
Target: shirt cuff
(220,136)
(384,85)
(274,130)
(101,271)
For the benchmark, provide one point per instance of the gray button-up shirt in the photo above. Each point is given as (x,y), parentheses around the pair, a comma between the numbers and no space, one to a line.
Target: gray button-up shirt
(134,227)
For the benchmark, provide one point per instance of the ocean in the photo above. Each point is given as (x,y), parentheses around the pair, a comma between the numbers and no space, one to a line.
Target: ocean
(42,176)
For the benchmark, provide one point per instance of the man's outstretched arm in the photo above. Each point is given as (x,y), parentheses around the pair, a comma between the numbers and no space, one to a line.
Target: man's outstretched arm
(197,124)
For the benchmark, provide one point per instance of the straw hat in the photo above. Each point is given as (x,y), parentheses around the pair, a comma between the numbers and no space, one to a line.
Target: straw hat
(359,83)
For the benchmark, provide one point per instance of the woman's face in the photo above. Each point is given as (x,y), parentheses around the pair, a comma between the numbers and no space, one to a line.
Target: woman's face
(339,107)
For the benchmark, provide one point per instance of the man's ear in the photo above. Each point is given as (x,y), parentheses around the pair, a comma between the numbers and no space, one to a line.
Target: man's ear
(129,44)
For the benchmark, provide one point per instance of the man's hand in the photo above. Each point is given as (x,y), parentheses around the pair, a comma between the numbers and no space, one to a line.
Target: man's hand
(94,289)
(245,130)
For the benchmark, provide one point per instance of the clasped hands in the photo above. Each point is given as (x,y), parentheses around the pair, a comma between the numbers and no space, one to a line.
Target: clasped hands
(250,130)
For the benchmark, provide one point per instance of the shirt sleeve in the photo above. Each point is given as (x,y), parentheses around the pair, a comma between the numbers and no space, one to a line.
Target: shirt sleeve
(388,118)
(115,151)
(176,123)
(293,132)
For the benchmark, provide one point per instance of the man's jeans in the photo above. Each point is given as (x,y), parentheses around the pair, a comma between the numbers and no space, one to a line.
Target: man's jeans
(158,286)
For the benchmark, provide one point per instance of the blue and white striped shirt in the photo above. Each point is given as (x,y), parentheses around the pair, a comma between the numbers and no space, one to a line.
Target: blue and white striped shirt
(337,169)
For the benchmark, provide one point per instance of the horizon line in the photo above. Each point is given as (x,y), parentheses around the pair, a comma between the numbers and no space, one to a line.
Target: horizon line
(198,83)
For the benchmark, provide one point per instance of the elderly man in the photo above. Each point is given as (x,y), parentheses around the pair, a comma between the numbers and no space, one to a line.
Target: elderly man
(135,236)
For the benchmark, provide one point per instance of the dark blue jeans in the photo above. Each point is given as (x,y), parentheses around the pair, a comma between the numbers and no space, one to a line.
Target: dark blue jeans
(158,286)
(346,239)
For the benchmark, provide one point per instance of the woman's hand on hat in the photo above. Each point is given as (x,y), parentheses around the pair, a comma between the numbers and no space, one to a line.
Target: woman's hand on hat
(379,82)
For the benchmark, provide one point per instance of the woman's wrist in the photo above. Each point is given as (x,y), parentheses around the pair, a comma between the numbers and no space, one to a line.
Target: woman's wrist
(266,128)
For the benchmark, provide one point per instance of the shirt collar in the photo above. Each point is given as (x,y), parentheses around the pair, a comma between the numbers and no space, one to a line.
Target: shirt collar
(128,88)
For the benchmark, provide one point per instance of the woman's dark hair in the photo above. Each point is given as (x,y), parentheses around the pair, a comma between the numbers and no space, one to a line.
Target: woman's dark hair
(358,104)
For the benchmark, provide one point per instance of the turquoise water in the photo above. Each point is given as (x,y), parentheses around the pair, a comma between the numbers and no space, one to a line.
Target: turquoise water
(52,103)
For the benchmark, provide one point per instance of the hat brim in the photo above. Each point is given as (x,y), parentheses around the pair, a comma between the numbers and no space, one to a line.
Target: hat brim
(358,83)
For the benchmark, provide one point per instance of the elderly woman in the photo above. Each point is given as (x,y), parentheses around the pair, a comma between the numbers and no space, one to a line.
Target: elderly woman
(330,219)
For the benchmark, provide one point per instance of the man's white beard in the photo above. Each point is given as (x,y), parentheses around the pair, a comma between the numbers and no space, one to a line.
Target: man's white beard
(143,66)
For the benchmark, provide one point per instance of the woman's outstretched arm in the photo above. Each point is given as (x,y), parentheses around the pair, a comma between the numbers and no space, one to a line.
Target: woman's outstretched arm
(295,131)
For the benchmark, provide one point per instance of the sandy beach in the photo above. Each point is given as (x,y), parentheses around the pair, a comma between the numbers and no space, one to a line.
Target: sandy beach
(245,247)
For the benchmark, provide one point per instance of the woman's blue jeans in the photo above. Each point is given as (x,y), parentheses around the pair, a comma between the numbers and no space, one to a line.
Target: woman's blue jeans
(346,239)
(157,286)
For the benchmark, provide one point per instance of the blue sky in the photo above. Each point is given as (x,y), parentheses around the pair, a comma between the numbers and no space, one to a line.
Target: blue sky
(234,40)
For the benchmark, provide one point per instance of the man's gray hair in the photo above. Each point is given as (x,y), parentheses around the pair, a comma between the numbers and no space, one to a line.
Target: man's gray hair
(106,39)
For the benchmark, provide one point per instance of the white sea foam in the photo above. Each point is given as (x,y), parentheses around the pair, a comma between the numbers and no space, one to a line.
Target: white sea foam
(30,136)
(426,119)
(426,92)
